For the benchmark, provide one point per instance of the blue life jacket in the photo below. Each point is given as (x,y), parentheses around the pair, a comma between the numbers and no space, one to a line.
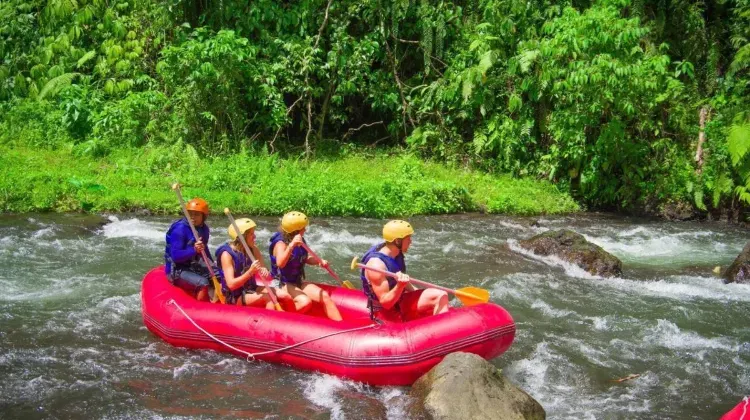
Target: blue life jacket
(393,265)
(179,253)
(294,270)
(241,264)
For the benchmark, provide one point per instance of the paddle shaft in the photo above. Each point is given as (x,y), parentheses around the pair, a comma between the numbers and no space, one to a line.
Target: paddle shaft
(271,292)
(411,279)
(314,255)
(195,231)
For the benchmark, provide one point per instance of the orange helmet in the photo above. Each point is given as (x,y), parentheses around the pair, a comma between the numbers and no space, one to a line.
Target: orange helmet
(198,204)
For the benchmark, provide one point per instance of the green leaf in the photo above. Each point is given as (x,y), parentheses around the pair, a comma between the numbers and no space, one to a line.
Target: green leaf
(86,57)
(55,84)
(514,102)
(467,88)
(738,142)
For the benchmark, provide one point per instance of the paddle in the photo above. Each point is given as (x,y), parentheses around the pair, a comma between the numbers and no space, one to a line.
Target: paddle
(346,283)
(271,292)
(469,296)
(217,285)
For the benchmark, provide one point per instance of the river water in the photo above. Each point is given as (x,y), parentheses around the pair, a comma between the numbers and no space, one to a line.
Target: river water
(73,345)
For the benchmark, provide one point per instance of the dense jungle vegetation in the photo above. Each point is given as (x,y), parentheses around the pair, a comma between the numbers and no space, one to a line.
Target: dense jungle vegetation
(623,104)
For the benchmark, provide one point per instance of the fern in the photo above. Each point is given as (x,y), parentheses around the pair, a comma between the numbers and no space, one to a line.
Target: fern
(86,57)
(738,142)
(55,84)
(741,60)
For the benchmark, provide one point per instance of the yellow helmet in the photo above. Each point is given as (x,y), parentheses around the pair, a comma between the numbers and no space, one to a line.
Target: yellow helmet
(243,224)
(293,221)
(397,229)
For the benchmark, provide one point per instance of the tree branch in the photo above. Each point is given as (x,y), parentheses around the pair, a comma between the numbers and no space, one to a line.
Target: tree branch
(354,130)
(322,25)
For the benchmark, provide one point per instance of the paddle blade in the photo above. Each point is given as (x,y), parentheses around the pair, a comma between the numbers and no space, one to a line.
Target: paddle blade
(470,296)
(348,284)
(217,289)
(278,307)
(354,263)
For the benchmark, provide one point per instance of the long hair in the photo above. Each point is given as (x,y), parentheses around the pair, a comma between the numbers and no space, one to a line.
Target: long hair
(287,237)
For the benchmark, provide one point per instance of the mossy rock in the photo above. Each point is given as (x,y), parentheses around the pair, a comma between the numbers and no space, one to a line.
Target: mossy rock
(739,271)
(575,249)
(466,387)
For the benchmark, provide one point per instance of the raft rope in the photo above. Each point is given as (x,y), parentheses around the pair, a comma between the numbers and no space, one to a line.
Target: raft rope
(744,408)
(252,356)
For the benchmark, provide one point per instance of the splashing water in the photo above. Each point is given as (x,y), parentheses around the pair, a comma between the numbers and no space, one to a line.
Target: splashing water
(73,344)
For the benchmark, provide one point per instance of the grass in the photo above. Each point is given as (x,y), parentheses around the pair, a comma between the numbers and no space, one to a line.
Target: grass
(356,185)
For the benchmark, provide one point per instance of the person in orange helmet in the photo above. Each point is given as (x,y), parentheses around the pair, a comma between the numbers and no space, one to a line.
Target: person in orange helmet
(184,265)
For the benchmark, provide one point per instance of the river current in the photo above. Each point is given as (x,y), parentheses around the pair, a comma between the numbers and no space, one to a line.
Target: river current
(73,344)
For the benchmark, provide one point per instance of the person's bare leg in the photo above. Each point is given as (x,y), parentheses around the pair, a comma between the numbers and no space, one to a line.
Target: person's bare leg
(302,303)
(433,302)
(321,296)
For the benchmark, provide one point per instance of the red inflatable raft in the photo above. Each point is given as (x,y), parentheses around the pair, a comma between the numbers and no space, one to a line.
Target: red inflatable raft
(355,348)
(740,412)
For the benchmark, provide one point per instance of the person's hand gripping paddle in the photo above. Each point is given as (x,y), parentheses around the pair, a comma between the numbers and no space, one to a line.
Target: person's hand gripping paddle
(469,296)
(206,260)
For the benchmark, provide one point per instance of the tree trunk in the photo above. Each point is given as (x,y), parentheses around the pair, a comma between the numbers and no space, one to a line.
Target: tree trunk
(703,116)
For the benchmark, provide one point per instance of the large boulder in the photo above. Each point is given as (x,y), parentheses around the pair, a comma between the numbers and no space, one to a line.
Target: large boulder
(739,271)
(464,386)
(574,248)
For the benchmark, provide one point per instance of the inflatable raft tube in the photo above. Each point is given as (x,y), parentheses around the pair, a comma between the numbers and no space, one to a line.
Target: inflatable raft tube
(355,348)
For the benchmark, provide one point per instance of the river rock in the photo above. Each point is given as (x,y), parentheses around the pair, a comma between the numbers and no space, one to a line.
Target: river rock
(464,386)
(739,271)
(678,210)
(574,248)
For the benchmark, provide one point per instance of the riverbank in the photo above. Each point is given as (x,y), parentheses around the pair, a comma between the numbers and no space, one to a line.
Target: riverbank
(357,185)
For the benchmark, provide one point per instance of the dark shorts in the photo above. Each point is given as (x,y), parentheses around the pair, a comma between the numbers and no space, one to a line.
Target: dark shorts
(190,281)
(407,308)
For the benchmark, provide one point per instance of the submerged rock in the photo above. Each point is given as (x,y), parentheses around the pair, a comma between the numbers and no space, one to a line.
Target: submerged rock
(678,210)
(739,271)
(465,386)
(574,248)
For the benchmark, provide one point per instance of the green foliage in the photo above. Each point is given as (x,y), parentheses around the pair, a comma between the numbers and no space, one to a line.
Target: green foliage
(601,98)
(356,185)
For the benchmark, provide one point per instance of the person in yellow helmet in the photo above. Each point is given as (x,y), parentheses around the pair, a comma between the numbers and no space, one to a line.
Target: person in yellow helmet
(288,259)
(238,275)
(394,299)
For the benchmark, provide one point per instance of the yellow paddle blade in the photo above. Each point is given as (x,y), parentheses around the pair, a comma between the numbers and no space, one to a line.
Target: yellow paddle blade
(278,307)
(354,263)
(348,284)
(470,296)
(217,290)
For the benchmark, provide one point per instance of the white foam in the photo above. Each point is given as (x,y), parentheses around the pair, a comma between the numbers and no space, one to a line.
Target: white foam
(511,225)
(342,237)
(134,228)
(187,369)
(322,391)
(562,389)
(656,246)
(395,401)
(549,311)
(43,233)
(667,334)
(685,288)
